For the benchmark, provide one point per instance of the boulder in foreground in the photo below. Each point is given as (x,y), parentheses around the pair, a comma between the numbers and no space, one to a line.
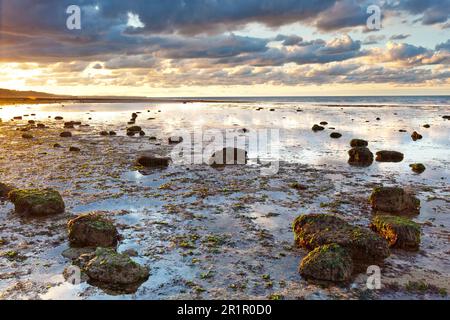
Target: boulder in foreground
(316,230)
(36,202)
(228,156)
(400,232)
(92,230)
(329,262)
(115,270)
(389,156)
(394,200)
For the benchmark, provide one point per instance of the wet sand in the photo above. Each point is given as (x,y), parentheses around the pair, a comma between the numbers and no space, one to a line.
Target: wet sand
(211,234)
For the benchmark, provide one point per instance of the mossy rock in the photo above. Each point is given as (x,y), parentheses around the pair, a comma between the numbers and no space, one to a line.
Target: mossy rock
(400,232)
(417,168)
(316,230)
(394,200)
(37,202)
(360,156)
(329,262)
(92,230)
(115,270)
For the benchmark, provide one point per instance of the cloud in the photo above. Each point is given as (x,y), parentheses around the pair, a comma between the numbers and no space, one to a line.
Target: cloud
(399,36)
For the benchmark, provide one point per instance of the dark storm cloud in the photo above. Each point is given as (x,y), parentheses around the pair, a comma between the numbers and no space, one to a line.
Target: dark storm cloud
(431,11)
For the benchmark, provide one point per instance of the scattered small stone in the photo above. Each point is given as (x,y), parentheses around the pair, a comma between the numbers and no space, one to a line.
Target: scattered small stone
(175,140)
(104,133)
(27,136)
(112,133)
(31,122)
(142,133)
(417,167)
(149,160)
(66,134)
(358,143)
(57,145)
(416,136)
(389,156)
(134,129)
(426,126)
(317,128)
(74,149)
(228,156)
(324,123)
(336,135)
(59,118)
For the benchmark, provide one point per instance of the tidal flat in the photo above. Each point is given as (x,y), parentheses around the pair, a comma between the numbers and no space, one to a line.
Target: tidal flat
(205,233)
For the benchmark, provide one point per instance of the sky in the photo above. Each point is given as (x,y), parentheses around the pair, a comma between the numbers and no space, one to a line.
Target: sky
(215,48)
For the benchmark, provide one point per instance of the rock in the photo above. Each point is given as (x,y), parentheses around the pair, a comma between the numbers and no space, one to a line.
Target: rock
(31,122)
(175,140)
(336,135)
(27,136)
(228,156)
(316,230)
(402,130)
(134,116)
(57,145)
(114,269)
(131,133)
(426,126)
(446,117)
(417,167)
(5,189)
(149,160)
(324,123)
(112,133)
(317,128)
(18,118)
(400,232)
(389,156)
(272,110)
(104,133)
(243,130)
(416,136)
(152,138)
(92,230)
(378,119)
(66,134)
(59,118)
(329,262)
(75,253)
(74,149)
(142,133)
(394,200)
(360,156)
(40,126)
(134,129)
(69,125)
(131,253)
(36,202)
(359,143)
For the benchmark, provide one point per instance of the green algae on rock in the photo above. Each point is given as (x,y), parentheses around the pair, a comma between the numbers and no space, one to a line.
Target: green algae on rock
(400,232)
(114,269)
(5,189)
(417,167)
(329,262)
(394,200)
(35,202)
(92,230)
(315,230)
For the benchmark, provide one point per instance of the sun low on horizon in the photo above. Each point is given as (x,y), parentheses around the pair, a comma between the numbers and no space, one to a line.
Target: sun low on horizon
(225,48)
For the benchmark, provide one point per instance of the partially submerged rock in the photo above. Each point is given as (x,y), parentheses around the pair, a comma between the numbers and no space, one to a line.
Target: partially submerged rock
(317,128)
(134,129)
(389,156)
(394,200)
(228,156)
(150,160)
(416,136)
(65,134)
(36,202)
(329,262)
(360,156)
(175,140)
(335,135)
(27,136)
(92,230)
(116,270)
(316,230)
(400,232)
(358,143)
(417,168)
